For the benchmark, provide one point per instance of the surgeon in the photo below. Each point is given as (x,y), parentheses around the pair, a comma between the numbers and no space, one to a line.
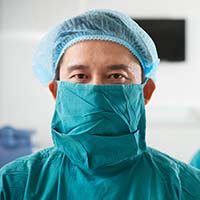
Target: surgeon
(196,160)
(99,67)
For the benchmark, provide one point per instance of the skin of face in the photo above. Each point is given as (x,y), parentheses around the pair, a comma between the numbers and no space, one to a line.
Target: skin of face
(100,62)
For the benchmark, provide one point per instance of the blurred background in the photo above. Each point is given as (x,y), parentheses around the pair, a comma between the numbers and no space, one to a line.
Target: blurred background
(173,115)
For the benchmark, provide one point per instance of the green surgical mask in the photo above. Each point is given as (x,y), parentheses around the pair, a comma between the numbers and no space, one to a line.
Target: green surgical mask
(99,125)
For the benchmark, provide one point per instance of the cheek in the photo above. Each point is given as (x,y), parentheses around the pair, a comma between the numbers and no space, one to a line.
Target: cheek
(63,75)
(140,77)
(137,75)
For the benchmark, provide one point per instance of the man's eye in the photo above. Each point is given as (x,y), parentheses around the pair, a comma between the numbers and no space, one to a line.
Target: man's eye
(80,76)
(116,76)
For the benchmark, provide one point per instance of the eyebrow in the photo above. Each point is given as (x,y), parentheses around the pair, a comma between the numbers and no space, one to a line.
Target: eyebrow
(110,67)
(76,67)
(118,66)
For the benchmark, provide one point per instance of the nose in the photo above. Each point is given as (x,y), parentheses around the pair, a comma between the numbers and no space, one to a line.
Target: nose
(97,80)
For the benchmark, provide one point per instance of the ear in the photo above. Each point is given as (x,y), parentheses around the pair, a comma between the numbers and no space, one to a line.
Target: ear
(53,88)
(148,90)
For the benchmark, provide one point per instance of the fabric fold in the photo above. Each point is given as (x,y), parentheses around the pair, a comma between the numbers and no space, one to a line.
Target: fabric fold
(98,126)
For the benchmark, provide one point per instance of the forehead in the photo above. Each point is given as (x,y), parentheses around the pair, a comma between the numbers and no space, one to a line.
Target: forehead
(99,51)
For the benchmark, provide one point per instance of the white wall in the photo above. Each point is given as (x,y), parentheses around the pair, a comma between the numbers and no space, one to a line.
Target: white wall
(173,115)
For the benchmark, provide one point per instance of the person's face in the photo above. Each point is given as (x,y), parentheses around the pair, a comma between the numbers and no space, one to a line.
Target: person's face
(99,62)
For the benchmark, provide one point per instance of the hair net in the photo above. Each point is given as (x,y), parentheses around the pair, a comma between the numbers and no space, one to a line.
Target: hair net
(104,25)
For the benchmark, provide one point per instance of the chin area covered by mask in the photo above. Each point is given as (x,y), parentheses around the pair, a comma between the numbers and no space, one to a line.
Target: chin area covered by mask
(99,125)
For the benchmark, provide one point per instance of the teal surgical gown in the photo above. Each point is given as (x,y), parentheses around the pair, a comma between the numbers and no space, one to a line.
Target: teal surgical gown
(100,153)
(196,160)
(50,174)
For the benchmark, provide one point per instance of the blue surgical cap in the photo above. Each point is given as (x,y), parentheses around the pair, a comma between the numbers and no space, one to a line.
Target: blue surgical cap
(106,25)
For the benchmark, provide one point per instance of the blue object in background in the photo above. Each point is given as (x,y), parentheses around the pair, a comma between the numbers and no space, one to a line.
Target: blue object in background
(14,143)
